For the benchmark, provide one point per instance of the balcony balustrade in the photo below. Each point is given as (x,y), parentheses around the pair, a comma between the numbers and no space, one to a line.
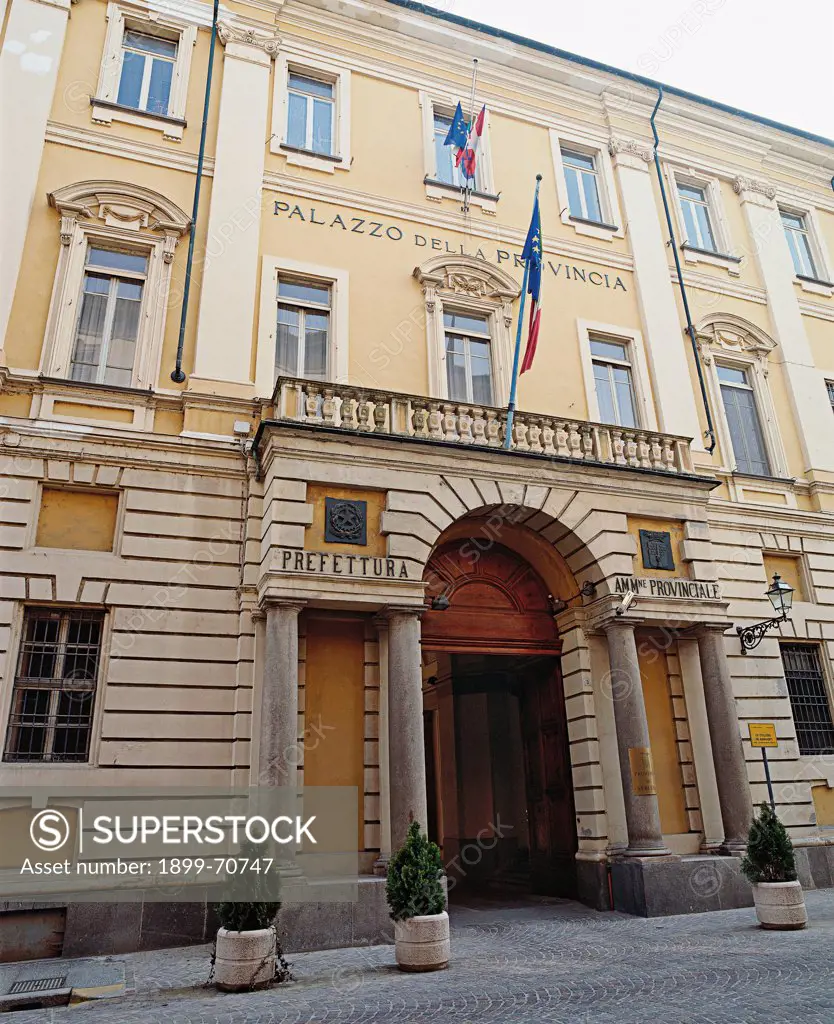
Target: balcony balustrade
(344,407)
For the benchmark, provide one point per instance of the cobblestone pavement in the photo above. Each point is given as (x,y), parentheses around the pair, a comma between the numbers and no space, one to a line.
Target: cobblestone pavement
(549,962)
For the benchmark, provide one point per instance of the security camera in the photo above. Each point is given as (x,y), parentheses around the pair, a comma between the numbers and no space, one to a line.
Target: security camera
(625,604)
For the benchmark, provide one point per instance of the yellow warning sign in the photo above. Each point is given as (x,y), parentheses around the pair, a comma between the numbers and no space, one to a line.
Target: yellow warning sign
(762,734)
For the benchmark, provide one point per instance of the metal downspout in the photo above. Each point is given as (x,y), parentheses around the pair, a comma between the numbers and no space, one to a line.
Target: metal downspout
(709,433)
(177,376)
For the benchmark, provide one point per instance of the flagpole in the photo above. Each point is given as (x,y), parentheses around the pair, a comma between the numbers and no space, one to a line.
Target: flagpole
(467,190)
(508,436)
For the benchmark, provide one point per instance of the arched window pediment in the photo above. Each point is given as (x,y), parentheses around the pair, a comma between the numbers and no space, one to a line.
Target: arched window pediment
(121,205)
(467,275)
(730,334)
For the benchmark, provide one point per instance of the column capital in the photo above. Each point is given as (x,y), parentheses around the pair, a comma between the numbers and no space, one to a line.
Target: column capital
(754,190)
(633,153)
(239,37)
(703,628)
(617,623)
(391,611)
(290,605)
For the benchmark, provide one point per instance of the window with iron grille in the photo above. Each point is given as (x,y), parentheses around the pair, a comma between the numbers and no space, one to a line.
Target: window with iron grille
(809,698)
(830,385)
(55,686)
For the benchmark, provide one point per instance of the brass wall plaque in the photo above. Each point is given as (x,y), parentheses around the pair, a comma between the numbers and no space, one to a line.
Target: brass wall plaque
(642,771)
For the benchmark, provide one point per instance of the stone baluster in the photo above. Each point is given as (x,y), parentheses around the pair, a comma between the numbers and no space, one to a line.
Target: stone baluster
(493,429)
(547,436)
(328,407)
(562,440)
(534,434)
(363,413)
(669,456)
(631,449)
(587,445)
(435,422)
(618,446)
(312,405)
(656,453)
(479,427)
(380,416)
(520,434)
(450,422)
(420,418)
(643,451)
(464,425)
(574,441)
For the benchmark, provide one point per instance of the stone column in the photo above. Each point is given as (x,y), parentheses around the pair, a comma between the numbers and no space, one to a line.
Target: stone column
(696,712)
(645,837)
(29,67)
(406,751)
(278,751)
(727,748)
(232,265)
(665,342)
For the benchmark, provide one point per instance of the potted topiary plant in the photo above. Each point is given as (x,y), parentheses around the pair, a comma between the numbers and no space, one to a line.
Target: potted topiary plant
(246,947)
(770,867)
(418,904)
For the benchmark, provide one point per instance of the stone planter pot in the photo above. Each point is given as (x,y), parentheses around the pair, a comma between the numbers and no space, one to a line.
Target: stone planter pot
(780,905)
(244,960)
(422,943)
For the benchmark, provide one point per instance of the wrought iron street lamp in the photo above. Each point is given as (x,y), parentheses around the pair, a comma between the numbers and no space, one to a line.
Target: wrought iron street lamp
(780,595)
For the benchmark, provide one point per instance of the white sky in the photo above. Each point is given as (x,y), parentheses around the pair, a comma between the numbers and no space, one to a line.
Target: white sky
(771,58)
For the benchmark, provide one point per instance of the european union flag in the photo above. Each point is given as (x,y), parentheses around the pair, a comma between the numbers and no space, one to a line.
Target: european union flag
(458,130)
(532,251)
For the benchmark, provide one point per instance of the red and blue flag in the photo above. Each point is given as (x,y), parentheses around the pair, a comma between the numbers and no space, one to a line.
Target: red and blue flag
(532,256)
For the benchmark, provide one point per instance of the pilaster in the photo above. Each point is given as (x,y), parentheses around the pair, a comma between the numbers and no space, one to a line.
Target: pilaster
(805,383)
(29,65)
(676,408)
(231,273)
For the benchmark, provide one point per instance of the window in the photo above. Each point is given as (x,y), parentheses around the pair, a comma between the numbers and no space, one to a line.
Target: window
(799,243)
(55,685)
(809,698)
(696,216)
(445,156)
(108,324)
(148,64)
(303,330)
(310,113)
(613,382)
(582,181)
(830,385)
(743,421)
(145,68)
(468,358)
(109,299)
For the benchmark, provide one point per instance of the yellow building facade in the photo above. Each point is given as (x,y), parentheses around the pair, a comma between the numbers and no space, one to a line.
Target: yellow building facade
(311,558)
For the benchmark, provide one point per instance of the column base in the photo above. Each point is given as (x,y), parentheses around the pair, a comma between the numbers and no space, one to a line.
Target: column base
(663,886)
(381,865)
(646,851)
(734,848)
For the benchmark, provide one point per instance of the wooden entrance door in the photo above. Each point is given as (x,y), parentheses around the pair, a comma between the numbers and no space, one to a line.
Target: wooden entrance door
(550,808)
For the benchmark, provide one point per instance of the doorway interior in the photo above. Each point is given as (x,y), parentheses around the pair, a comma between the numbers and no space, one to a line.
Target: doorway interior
(498,775)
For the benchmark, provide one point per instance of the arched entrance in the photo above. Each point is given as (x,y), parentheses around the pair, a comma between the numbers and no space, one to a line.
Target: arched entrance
(498,767)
